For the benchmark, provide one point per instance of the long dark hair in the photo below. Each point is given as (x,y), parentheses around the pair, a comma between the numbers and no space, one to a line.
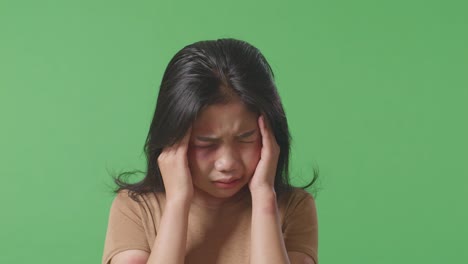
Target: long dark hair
(205,73)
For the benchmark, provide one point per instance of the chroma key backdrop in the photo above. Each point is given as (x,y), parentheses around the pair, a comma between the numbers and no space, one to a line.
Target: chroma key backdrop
(376,95)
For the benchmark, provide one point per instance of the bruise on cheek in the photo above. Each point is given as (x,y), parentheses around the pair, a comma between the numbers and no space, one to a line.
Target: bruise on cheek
(195,154)
(200,153)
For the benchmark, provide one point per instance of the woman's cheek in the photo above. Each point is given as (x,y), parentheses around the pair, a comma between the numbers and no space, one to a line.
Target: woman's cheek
(200,157)
(199,161)
(194,156)
(255,154)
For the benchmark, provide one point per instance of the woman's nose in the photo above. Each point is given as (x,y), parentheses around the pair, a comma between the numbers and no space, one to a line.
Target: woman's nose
(227,161)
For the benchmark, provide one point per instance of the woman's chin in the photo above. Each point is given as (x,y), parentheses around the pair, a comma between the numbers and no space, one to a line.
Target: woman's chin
(223,191)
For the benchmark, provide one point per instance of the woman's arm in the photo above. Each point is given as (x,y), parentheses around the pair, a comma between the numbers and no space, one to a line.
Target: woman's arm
(170,243)
(169,246)
(267,244)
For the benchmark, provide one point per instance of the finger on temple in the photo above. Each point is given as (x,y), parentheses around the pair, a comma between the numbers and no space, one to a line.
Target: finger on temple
(263,127)
(185,140)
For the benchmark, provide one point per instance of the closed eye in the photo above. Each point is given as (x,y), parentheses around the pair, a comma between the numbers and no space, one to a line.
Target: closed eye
(205,146)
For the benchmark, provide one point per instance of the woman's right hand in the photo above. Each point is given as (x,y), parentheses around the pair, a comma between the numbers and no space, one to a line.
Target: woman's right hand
(173,164)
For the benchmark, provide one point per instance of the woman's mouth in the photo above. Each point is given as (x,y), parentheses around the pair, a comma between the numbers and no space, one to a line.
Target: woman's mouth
(226,184)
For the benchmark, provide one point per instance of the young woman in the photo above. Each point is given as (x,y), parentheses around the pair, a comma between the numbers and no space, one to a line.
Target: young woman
(216,188)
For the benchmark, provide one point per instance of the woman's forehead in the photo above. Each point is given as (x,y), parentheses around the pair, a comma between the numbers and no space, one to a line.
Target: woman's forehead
(230,117)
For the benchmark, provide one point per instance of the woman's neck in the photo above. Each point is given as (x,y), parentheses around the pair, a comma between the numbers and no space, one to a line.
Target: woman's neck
(203,199)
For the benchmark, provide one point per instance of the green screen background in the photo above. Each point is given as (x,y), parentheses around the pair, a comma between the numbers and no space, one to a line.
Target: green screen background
(376,95)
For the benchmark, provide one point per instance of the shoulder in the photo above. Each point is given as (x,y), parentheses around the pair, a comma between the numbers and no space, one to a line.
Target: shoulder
(300,226)
(295,197)
(124,198)
(295,203)
(127,200)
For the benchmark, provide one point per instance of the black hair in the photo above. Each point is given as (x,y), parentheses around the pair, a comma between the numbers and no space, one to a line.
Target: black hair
(206,73)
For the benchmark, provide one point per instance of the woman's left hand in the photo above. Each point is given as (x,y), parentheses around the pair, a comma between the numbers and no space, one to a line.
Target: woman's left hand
(264,175)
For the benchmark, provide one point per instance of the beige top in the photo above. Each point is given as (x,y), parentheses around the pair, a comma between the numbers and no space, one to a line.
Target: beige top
(214,236)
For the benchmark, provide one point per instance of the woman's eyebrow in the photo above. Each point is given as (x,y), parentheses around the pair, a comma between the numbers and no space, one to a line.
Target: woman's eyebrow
(207,139)
(246,134)
(215,139)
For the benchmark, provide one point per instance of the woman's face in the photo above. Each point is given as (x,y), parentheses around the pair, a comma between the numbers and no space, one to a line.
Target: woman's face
(225,145)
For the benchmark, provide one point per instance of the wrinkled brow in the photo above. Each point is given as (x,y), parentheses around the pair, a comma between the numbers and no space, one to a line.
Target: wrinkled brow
(215,139)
